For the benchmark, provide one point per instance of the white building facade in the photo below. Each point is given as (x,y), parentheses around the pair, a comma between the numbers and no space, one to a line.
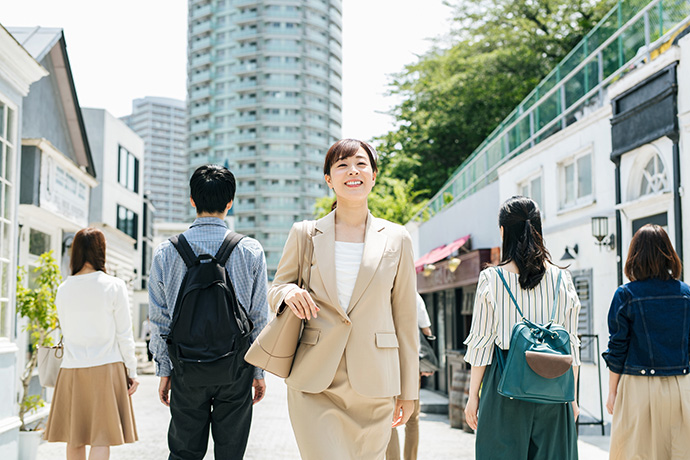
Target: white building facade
(603,150)
(161,123)
(118,206)
(18,70)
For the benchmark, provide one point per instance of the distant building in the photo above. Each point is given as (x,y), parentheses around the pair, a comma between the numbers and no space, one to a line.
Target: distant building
(264,98)
(160,122)
(117,203)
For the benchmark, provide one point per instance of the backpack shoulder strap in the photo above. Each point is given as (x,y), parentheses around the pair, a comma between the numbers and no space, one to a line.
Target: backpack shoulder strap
(554,304)
(512,297)
(231,240)
(185,250)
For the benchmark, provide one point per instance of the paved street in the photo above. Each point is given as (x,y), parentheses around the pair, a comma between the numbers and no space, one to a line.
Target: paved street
(271,437)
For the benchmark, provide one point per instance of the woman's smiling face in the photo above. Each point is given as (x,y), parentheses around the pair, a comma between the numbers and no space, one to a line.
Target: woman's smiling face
(352,178)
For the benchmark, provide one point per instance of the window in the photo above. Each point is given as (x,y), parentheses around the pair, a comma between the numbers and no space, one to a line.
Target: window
(127,221)
(532,188)
(576,180)
(654,177)
(7,196)
(39,242)
(127,169)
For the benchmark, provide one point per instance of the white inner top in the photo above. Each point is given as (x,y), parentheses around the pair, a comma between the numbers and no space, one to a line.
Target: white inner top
(348,257)
(94,317)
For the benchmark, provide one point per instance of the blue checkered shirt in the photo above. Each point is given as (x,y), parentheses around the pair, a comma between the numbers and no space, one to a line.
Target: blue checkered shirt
(247,269)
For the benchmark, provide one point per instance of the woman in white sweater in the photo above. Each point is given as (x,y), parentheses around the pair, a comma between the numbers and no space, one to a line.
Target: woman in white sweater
(92,401)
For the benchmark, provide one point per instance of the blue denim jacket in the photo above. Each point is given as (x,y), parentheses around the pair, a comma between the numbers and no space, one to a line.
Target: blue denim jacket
(649,329)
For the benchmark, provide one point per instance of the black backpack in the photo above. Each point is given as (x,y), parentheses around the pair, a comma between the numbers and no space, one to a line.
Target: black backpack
(210,329)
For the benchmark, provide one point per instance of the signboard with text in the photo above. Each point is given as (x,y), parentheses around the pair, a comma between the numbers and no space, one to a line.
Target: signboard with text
(63,193)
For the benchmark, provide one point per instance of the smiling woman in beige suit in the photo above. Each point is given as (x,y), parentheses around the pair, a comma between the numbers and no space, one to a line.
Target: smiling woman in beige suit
(356,368)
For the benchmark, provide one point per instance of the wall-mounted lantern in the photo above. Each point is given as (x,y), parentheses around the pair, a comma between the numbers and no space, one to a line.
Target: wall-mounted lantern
(568,254)
(600,231)
(428,270)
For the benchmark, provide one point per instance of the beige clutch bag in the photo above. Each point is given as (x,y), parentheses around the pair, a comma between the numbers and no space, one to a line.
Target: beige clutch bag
(275,347)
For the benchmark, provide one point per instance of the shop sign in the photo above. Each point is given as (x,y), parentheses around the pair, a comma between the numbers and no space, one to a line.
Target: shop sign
(62,193)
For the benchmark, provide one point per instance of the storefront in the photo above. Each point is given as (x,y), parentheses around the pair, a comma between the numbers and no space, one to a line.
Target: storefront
(448,289)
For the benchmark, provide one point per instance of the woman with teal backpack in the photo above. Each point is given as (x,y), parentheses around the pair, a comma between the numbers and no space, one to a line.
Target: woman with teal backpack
(525,284)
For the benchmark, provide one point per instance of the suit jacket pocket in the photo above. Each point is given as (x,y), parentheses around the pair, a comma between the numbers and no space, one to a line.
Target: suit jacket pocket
(386,340)
(310,336)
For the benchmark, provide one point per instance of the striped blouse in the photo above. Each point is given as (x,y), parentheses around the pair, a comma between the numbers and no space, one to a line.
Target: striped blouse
(495,315)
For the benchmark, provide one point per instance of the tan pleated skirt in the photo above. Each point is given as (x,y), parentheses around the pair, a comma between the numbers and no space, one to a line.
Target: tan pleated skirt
(91,407)
(651,418)
(339,423)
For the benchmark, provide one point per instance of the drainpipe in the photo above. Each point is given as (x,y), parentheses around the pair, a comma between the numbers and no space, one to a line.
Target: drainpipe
(619,224)
(677,194)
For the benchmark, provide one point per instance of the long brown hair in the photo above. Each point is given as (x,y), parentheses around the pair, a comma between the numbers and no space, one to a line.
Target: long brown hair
(88,245)
(651,255)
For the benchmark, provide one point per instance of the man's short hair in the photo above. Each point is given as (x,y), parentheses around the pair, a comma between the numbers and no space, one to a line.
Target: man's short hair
(212,187)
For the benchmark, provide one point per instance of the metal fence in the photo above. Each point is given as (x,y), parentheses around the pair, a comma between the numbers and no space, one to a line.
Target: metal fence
(625,38)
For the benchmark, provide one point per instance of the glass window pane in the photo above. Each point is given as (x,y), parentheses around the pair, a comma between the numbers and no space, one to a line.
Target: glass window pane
(584,176)
(4,280)
(6,242)
(536,191)
(524,191)
(39,242)
(569,183)
(2,120)
(131,170)
(4,158)
(4,332)
(9,134)
(122,166)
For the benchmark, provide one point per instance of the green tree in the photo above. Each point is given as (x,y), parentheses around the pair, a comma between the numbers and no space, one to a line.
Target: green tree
(391,199)
(37,305)
(453,97)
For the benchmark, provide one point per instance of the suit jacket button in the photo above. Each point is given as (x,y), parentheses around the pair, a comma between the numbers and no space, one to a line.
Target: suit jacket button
(652,372)
(643,372)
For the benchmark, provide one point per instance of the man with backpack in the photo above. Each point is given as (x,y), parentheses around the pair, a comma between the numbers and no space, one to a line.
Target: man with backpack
(207,303)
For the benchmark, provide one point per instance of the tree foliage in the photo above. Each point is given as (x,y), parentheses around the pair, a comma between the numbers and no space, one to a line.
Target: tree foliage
(37,306)
(453,97)
(391,199)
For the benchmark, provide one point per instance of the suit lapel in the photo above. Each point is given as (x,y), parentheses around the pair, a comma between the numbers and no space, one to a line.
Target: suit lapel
(374,245)
(324,252)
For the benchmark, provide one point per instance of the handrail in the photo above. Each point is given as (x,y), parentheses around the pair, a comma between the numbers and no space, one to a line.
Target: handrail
(471,176)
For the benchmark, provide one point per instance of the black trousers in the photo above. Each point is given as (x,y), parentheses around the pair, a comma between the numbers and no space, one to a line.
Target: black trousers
(226,409)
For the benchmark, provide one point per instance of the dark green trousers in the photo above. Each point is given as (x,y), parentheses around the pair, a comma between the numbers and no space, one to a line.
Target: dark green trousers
(509,429)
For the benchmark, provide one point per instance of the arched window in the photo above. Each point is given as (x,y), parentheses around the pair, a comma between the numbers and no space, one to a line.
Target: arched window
(654,177)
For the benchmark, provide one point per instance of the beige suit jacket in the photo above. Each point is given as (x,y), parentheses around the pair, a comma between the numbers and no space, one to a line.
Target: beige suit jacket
(377,332)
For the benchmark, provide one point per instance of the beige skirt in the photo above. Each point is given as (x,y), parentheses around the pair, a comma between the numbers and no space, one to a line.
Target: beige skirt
(91,407)
(339,423)
(651,418)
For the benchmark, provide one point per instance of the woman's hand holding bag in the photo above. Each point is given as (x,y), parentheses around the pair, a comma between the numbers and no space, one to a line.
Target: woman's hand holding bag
(301,304)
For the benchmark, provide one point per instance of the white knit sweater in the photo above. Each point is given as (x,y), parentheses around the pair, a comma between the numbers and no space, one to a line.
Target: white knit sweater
(94,316)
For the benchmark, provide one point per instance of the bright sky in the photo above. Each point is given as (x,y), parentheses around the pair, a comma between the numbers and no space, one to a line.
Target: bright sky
(125,49)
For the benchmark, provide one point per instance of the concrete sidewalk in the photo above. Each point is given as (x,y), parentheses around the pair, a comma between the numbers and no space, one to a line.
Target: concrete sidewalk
(271,435)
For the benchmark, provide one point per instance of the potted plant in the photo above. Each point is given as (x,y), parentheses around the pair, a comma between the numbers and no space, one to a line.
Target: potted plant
(37,305)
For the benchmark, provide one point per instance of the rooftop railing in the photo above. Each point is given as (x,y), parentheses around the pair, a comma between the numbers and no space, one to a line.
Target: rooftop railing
(626,37)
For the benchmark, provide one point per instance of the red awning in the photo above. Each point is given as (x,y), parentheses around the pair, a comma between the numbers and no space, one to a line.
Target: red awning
(440,253)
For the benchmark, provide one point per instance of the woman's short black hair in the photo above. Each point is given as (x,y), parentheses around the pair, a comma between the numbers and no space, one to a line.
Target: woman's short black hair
(212,188)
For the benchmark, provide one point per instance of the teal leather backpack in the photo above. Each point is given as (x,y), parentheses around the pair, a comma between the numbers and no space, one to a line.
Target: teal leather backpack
(538,367)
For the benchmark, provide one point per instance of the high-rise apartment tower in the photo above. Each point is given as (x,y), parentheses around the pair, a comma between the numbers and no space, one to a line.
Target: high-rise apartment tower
(264,99)
(160,121)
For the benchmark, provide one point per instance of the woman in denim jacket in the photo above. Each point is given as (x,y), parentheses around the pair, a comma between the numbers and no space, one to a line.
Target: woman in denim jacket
(648,354)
